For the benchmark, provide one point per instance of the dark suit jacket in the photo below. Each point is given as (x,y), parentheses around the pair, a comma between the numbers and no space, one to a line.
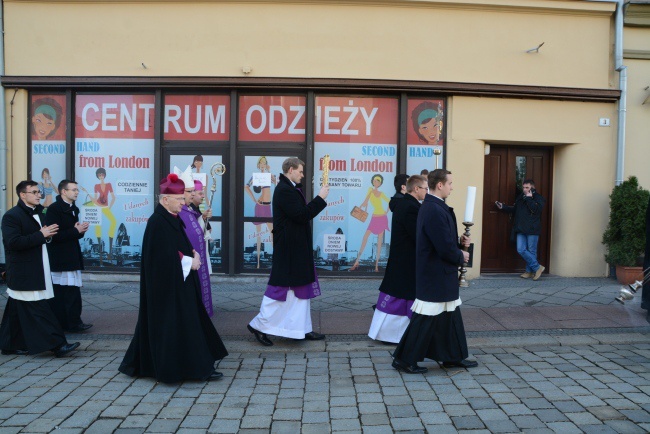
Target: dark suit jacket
(64,250)
(293,250)
(438,254)
(399,279)
(23,241)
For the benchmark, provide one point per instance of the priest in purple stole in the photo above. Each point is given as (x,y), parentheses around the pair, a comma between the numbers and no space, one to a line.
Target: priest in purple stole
(195,234)
(285,309)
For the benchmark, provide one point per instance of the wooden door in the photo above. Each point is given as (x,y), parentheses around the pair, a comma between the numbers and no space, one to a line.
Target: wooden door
(505,169)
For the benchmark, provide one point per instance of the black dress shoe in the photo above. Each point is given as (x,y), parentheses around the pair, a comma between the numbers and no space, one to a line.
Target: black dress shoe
(261,337)
(215,376)
(409,369)
(65,349)
(313,336)
(462,364)
(80,328)
(14,352)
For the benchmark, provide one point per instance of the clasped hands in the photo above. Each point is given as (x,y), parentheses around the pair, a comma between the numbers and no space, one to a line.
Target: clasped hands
(196,260)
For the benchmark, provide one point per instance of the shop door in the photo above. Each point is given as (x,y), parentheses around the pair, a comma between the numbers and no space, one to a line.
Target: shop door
(258,173)
(505,169)
(208,164)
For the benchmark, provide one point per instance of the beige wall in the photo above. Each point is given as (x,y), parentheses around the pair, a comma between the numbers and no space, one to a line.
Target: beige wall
(472,41)
(584,168)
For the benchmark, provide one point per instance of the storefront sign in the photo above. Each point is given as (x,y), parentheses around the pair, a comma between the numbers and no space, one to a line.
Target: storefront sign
(272,118)
(197,117)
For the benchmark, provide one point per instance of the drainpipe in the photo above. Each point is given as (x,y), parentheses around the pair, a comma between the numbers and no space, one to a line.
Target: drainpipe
(622,84)
(3,133)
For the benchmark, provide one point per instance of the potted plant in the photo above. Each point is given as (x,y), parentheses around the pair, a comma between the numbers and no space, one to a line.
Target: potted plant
(624,238)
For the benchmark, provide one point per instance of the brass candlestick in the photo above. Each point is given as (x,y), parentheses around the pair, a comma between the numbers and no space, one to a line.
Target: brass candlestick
(462,282)
(437,151)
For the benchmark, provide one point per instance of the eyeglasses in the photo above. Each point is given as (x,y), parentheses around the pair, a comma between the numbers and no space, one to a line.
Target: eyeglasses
(35,192)
(190,191)
(423,188)
(71,189)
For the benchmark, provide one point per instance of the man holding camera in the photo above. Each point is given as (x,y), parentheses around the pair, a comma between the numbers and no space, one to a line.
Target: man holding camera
(527,226)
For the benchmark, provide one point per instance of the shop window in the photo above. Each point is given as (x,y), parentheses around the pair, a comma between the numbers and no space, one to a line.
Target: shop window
(114,153)
(49,149)
(424,137)
(356,140)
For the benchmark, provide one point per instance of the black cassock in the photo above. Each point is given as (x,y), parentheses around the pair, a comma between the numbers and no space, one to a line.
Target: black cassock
(174,339)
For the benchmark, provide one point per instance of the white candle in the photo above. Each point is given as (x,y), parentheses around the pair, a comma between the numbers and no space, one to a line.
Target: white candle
(469,206)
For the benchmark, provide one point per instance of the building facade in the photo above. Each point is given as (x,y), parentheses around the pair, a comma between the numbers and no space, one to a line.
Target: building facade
(117,94)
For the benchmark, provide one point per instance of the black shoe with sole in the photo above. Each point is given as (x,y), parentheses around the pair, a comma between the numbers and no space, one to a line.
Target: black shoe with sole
(261,337)
(215,376)
(65,349)
(313,336)
(409,369)
(462,364)
(80,328)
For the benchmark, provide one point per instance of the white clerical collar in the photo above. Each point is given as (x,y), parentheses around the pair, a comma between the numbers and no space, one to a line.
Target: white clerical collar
(63,199)
(437,197)
(294,184)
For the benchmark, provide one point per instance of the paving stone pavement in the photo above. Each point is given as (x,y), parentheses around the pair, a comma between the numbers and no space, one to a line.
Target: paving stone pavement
(579,380)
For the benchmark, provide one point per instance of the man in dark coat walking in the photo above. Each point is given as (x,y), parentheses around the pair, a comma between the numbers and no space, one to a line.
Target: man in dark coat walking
(436,329)
(285,309)
(645,294)
(527,226)
(397,290)
(28,324)
(66,261)
(174,339)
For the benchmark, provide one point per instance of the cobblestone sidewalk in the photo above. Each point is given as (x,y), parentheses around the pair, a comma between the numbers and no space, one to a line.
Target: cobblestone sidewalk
(574,388)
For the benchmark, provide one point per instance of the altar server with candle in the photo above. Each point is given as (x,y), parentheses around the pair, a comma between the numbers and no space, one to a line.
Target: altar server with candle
(436,329)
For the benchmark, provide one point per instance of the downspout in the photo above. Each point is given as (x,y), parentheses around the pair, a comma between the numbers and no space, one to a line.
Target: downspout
(622,84)
(3,133)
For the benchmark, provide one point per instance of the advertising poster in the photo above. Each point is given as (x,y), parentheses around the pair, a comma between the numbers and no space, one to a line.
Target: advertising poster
(48,151)
(261,175)
(424,138)
(360,136)
(212,185)
(114,150)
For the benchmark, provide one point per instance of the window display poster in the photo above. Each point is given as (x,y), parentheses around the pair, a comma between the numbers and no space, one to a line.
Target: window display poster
(114,151)
(49,148)
(258,245)
(215,246)
(258,240)
(425,146)
(212,185)
(271,118)
(197,117)
(360,137)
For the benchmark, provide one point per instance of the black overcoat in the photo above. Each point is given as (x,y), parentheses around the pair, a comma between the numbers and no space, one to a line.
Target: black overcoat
(174,339)
(64,250)
(438,254)
(23,240)
(293,250)
(527,214)
(399,279)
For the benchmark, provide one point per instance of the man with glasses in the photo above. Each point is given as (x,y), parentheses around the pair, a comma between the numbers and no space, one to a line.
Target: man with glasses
(397,290)
(174,339)
(28,324)
(66,261)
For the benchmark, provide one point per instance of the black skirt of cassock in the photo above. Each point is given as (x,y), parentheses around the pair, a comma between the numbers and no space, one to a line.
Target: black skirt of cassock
(170,353)
(30,325)
(440,338)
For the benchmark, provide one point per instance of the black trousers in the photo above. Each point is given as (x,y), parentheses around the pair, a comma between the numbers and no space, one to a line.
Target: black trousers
(440,338)
(66,306)
(30,325)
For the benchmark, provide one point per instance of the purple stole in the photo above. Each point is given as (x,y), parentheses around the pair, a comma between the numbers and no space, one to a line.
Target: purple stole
(303,292)
(195,235)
